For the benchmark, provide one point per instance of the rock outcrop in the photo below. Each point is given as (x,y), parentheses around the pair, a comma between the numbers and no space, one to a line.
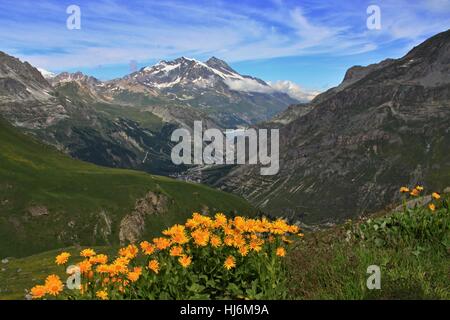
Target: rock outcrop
(133,224)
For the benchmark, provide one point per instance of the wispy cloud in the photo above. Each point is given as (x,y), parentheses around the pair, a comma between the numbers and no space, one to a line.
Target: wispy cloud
(116,32)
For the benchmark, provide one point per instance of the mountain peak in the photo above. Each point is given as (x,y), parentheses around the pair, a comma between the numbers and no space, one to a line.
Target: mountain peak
(77,77)
(219,64)
(432,46)
(215,60)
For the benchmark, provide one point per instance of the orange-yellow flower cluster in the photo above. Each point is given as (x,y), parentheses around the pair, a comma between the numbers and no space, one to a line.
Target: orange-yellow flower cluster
(435,196)
(53,286)
(62,258)
(232,240)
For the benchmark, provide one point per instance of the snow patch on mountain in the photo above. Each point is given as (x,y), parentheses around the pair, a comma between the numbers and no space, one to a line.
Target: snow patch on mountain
(46,74)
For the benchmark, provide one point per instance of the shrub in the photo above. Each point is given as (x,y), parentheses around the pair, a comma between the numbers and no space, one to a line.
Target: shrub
(415,227)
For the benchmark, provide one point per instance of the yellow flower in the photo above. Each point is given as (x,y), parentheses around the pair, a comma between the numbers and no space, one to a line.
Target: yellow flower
(198,220)
(256,244)
(99,259)
(229,241)
(229,263)
(180,238)
(185,261)
(122,261)
(216,241)
(176,251)
(243,251)
(62,258)
(129,252)
(102,294)
(414,192)
(103,268)
(436,195)
(174,229)
(404,190)
(87,253)
(279,227)
(177,233)
(228,230)
(419,188)
(53,285)
(294,229)
(192,224)
(240,223)
(147,248)
(281,252)
(220,221)
(120,265)
(238,241)
(432,207)
(133,276)
(38,292)
(154,266)
(201,237)
(161,243)
(85,266)
(137,269)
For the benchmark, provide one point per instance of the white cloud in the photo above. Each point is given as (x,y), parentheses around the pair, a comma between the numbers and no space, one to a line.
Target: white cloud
(294,90)
(290,88)
(247,85)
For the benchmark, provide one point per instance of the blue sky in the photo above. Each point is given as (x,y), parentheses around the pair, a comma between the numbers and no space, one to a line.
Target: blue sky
(308,42)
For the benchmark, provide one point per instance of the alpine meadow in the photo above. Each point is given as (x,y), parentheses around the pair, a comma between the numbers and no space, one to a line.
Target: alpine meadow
(227,152)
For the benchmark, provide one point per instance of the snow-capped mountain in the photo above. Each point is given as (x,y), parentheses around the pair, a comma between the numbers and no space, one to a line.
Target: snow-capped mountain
(191,72)
(46,74)
(74,77)
(214,87)
(211,87)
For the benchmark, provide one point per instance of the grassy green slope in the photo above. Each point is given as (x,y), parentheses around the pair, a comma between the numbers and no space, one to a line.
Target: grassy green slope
(79,195)
(411,248)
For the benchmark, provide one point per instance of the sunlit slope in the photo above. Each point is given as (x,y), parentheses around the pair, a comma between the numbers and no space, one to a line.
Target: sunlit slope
(49,200)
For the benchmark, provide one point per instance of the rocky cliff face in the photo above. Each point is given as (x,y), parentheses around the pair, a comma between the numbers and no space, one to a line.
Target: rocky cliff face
(80,117)
(26,98)
(386,125)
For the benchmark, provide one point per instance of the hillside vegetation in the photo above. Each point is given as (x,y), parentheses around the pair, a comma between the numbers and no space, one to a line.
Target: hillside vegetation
(410,246)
